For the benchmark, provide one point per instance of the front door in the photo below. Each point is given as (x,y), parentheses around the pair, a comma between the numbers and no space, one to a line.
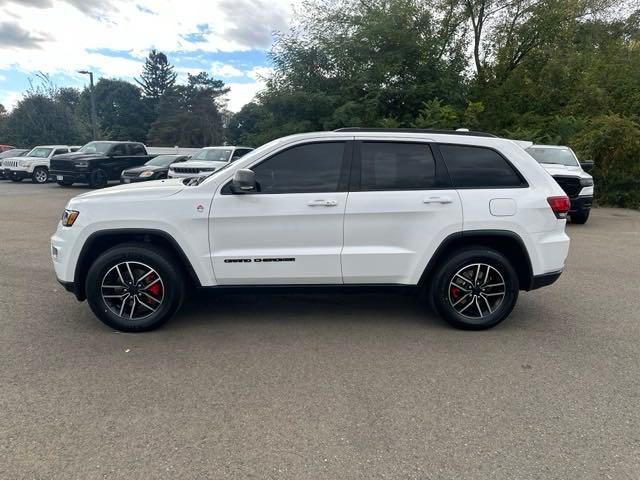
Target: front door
(290,231)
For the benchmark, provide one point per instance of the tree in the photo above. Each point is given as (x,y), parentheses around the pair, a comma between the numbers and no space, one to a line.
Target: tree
(39,119)
(122,114)
(189,115)
(157,76)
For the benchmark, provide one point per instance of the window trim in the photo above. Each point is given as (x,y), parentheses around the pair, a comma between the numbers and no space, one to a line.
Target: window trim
(442,179)
(523,180)
(343,179)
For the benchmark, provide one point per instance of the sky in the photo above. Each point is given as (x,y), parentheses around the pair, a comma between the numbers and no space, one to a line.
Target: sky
(227,38)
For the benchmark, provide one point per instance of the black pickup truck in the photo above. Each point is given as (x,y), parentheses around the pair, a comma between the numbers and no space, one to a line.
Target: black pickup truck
(98,162)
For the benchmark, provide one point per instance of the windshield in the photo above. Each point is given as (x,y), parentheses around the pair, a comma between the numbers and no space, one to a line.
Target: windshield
(558,156)
(163,160)
(40,152)
(95,147)
(213,155)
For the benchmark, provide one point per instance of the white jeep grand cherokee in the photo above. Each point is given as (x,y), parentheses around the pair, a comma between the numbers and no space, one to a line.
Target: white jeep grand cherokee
(467,217)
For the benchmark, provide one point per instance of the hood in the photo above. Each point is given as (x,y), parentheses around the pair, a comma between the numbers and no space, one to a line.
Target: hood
(78,156)
(135,191)
(563,170)
(200,164)
(145,168)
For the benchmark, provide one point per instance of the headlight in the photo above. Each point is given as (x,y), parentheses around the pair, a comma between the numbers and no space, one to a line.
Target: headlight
(148,173)
(24,163)
(69,217)
(586,182)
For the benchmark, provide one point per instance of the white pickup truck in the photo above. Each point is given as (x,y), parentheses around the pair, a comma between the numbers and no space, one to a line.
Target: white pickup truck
(35,164)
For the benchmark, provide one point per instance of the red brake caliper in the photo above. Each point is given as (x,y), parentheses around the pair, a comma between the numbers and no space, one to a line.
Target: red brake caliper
(455,293)
(156,288)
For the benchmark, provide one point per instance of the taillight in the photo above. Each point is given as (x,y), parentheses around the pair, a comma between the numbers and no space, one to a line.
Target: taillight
(560,205)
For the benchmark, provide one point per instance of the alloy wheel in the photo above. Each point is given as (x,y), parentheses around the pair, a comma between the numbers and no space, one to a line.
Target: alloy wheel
(132,290)
(41,176)
(477,290)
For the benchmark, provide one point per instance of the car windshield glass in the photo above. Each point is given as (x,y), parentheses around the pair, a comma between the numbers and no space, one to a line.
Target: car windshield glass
(40,152)
(558,156)
(162,160)
(213,155)
(95,147)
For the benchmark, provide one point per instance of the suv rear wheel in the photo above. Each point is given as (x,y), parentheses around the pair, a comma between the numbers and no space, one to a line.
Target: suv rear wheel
(475,289)
(134,287)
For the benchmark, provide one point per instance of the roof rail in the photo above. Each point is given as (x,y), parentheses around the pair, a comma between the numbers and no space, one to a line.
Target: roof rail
(417,130)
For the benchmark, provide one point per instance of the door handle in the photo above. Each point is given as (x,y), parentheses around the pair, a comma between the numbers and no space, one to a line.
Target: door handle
(322,203)
(440,200)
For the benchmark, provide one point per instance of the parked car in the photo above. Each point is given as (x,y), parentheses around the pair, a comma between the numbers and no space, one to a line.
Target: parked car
(4,148)
(13,153)
(207,160)
(468,218)
(97,163)
(155,169)
(562,163)
(34,165)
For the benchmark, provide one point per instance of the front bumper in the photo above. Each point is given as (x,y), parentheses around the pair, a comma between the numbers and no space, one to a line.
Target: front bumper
(71,177)
(581,204)
(16,174)
(539,281)
(136,179)
(188,175)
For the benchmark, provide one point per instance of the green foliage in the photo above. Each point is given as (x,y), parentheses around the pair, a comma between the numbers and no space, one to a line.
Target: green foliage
(613,142)
(157,76)
(122,113)
(189,115)
(39,119)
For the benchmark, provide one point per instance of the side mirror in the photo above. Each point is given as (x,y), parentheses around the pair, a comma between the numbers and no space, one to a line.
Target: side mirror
(244,181)
(586,164)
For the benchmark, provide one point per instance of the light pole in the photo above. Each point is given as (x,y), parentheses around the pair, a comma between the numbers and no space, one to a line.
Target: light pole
(94,118)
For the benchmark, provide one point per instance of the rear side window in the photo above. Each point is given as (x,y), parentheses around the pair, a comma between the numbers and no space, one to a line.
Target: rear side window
(137,149)
(479,167)
(396,166)
(311,168)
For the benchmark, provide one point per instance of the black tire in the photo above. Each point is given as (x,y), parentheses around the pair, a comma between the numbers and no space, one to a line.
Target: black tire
(64,183)
(161,261)
(98,179)
(580,218)
(442,289)
(40,173)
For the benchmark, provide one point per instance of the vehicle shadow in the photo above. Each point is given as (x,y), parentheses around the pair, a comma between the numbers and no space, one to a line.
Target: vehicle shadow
(219,308)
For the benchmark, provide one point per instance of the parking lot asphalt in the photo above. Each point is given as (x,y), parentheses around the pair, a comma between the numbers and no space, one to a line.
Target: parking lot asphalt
(320,386)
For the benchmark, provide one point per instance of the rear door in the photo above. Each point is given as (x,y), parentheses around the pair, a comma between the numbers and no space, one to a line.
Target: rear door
(291,230)
(400,208)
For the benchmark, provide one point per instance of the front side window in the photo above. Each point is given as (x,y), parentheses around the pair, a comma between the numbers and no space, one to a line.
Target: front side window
(397,166)
(39,152)
(478,167)
(311,168)
(60,151)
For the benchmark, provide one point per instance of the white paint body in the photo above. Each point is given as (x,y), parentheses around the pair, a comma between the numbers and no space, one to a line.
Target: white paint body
(27,164)
(336,238)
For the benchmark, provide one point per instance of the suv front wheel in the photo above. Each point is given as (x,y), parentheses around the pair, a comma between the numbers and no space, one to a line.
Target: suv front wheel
(134,287)
(475,289)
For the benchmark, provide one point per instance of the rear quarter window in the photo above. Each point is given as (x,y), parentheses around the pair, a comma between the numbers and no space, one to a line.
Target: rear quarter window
(479,167)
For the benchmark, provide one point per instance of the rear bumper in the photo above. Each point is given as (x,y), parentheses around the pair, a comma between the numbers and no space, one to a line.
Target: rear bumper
(581,204)
(539,281)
